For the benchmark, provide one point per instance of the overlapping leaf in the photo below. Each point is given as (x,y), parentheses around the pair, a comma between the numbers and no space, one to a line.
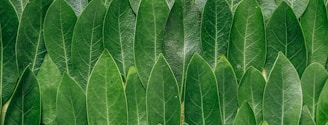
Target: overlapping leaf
(315,24)
(30,48)
(245,115)
(282,99)
(9,25)
(151,19)
(227,88)
(106,100)
(135,5)
(19,6)
(1,68)
(163,100)
(78,5)
(201,104)
(247,40)
(306,118)
(298,6)
(283,33)
(268,7)
(251,90)
(119,26)
(313,80)
(136,99)
(58,32)
(87,41)
(322,107)
(71,107)
(233,4)
(25,107)
(49,78)
(216,23)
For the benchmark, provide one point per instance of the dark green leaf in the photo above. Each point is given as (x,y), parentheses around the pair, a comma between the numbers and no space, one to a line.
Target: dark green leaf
(298,6)
(216,23)
(245,115)
(267,6)
(30,48)
(163,101)
(247,40)
(49,78)
(78,5)
(313,80)
(315,24)
(19,6)
(151,19)
(1,70)
(233,4)
(135,5)
(285,34)
(106,98)
(282,101)
(306,118)
(119,34)
(228,90)
(58,32)
(9,25)
(136,99)
(71,107)
(322,107)
(251,90)
(24,107)
(182,37)
(201,104)
(108,3)
(87,41)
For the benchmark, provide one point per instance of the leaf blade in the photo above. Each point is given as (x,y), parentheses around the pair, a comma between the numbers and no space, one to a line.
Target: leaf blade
(321,114)
(245,115)
(78,6)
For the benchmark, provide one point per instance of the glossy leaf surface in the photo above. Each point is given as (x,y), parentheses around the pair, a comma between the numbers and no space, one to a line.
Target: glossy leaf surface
(87,41)
(282,100)
(19,6)
(251,90)
(136,99)
(58,32)
(228,90)
(306,118)
(78,5)
(30,48)
(163,87)
(247,39)
(49,78)
(283,33)
(71,107)
(298,6)
(201,104)
(25,107)
(118,34)
(135,5)
(151,19)
(313,80)
(315,24)
(268,7)
(322,107)
(245,115)
(106,100)
(216,23)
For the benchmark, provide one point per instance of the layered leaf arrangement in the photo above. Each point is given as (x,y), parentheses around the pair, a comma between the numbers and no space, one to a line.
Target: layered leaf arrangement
(196,62)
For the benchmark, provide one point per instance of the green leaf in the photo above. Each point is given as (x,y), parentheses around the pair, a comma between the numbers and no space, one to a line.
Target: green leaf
(24,107)
(200,4)
(71,106)
(9,26)
(233,4)
(182,37)
(283,33)
(108,2)
(136,99)
(228,90)
(163,87)
(135,5)
(216,24)
(245,115)
(30,48)
(106,100)
(313,80)
(315,24)
(1,71)
(251,90)
(87,41)
(19,6)
(306,118)
(201,104)
(58,32)
(119,26)
(298,6)
(268,7)
(151,19)
(78,5)
(322,107)
(49,78)
(247,40)
(282,99)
